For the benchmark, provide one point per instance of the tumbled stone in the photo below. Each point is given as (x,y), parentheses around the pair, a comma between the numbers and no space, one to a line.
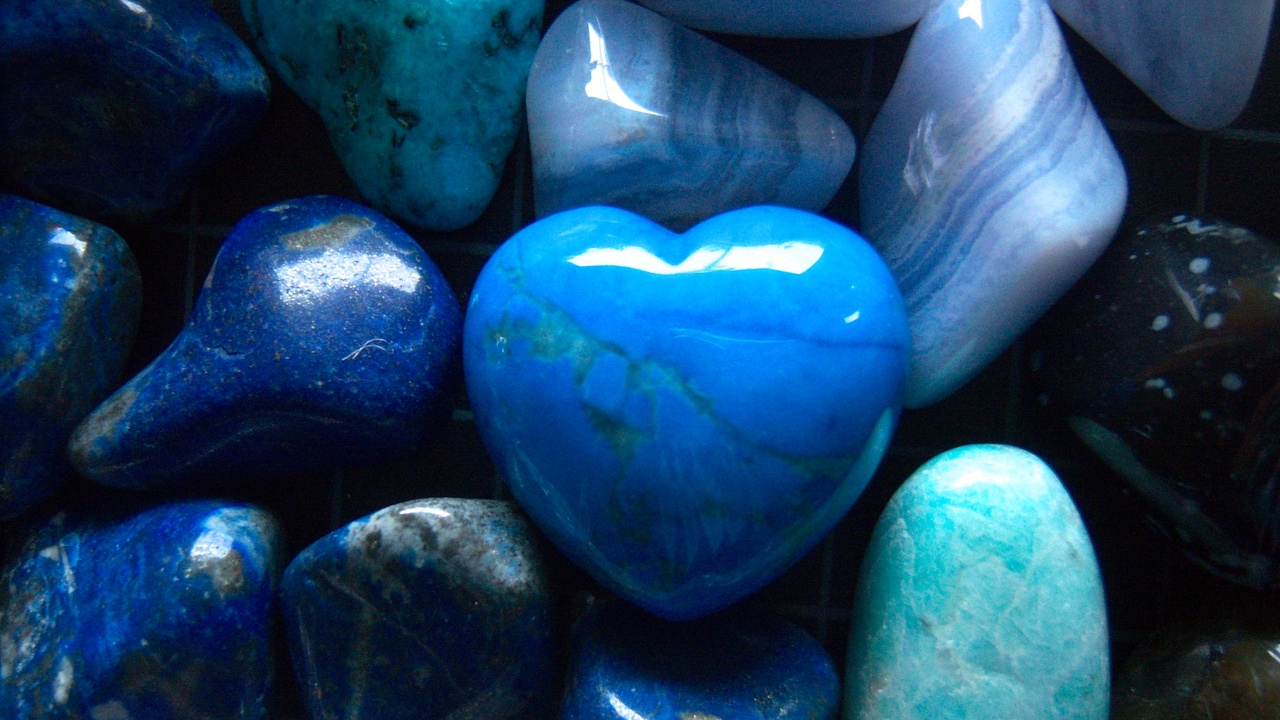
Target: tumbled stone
(163,613)
(1220,668)
(794,18)
(323,334)
(427,609)
(1168,356)
(988,183)
(618,117)
(739,665)
(685,415)
(112,108)
(422,98)
(979,598)
(71,296)
(1198,61)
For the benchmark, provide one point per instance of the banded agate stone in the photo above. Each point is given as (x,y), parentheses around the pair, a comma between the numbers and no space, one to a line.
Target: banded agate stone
(630,110)
(988,184)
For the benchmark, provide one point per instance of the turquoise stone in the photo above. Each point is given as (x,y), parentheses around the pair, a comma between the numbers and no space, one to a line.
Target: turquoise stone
(979,598)
(422,99)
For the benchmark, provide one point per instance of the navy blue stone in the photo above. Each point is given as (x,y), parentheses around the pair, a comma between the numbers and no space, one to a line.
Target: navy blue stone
(323,334)
(160,614)
(686,415)
(69,302)
(111,108)
(733,666)
(427,609)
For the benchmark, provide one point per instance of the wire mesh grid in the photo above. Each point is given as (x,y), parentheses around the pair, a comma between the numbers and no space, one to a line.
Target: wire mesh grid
(1232,173)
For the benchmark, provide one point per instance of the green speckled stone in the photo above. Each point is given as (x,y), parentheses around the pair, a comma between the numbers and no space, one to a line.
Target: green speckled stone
(422,98)
(979,599)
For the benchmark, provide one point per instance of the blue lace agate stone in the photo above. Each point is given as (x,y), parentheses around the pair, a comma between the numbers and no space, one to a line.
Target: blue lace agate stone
(737,666)
(159,614)
(988,183)
(1198,61)
(323,334)
(618,116)
(685,415)
(422,98)
(111,108)
(427,609)
(794,18)
(71,297)
(979,598)
(1167,355)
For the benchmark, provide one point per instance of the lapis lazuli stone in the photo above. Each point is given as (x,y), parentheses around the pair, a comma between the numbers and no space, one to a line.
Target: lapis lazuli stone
(988,183)
(71,296)
(323,334)
(685,415)
(979,598)
(794,18)
(422,98)
(1167,356)
(427,609)
(163,613)
(735,666)
(1198,61)
(616,117)
(112,108)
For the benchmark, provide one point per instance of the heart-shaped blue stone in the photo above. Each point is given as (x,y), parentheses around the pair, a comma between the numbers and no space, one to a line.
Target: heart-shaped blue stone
(323,334)
(685,415)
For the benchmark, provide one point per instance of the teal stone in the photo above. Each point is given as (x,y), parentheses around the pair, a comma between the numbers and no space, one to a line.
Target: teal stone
(979,598)
(422,98)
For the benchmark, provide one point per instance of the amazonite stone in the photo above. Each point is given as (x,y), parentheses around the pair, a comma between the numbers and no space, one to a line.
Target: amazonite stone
(1197,60)
(988,183)
(422,98)
(979,598)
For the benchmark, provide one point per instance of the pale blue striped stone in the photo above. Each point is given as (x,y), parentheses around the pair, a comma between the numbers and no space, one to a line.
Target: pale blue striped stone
(794,18)
(630,110)
(1197,60)
(979,599)
(988,183)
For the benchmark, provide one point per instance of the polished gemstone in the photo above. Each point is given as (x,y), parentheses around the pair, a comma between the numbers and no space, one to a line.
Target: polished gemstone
(112,108)
(685,415)
(979,598)
(988,183)
(1198,61)
(323,334)
(427,609)
(1168,355)
(163,613)
(627,665)
(422,98)
(618,117)
(1219,668)
(794,18)
(71,297)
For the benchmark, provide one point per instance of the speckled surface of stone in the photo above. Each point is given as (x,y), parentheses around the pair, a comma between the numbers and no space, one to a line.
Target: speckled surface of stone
(422,98)
(427,609)
(1168,354)
(323,334)
(71,296)
(163,613)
